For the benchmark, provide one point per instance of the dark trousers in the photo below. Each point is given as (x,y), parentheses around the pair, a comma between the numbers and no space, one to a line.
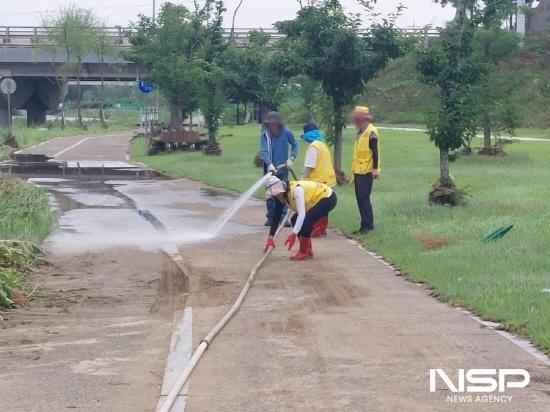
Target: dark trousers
(317,212)
(270,204)
(363,189)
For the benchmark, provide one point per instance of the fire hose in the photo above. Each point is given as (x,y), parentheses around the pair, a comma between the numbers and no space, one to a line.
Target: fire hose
(207,340)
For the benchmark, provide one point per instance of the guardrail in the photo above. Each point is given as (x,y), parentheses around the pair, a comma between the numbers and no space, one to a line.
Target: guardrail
(30,36)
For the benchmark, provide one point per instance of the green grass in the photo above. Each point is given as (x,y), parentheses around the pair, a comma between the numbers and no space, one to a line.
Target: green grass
(538,133)
(25,211)
(501,281)
(26,218)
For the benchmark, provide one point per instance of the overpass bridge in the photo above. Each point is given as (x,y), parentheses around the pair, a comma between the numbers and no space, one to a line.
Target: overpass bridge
(25,57)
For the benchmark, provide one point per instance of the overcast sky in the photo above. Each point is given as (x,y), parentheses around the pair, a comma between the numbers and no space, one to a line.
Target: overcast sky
(253,13)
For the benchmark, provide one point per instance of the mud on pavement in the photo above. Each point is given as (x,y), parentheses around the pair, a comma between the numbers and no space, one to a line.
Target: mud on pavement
(97,335)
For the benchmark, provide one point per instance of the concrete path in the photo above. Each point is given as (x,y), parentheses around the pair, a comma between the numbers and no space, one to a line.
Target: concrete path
(415,129)
(110,147)
(342,332)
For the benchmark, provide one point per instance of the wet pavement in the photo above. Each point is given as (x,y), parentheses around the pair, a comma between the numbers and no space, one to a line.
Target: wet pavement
(97,336)
(85,157)
(96,215)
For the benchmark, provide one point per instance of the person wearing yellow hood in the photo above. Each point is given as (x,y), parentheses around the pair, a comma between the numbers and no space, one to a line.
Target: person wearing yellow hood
(365,165)
(310,200)
(318,167)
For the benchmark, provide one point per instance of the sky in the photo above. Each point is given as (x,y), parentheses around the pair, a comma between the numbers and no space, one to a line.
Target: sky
(253,13)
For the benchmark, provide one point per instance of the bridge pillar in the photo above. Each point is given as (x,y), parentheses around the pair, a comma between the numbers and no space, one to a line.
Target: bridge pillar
(36,111)
(4,118)
(36,96)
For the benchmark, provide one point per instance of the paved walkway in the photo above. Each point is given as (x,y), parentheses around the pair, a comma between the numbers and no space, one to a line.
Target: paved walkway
(109,147)
(415,129)
(342,332)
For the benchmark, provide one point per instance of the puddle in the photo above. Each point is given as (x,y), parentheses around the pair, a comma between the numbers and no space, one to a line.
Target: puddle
(95,215)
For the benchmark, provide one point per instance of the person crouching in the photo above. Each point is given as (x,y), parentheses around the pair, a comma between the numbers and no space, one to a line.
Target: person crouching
(318,167)
(310,201)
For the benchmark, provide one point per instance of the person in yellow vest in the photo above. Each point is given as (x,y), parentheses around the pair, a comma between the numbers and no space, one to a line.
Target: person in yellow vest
(310,200)
(318,167)
(365,165)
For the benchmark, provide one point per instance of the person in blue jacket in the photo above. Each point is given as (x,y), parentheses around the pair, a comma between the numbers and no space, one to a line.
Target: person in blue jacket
(275,142)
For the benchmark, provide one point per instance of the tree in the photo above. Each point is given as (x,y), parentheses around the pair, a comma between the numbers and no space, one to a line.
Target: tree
(212,101)
(167,48)
(323,43)
(72,31)
(497,112)
(447,65)
(245,67)
(104,48)
(451,65)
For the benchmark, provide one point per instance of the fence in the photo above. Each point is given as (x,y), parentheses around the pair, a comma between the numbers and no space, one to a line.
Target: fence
(30,36)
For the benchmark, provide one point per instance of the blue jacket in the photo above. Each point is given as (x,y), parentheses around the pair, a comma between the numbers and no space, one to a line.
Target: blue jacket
(274,149)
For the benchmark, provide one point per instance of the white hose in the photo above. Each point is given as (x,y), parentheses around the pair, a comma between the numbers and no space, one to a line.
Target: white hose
(176,389)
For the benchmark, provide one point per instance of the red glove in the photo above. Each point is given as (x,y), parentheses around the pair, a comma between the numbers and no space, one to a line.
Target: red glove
(269,244)
(290,241)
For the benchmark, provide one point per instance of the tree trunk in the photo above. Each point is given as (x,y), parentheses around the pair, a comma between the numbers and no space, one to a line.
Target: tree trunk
(444,175)
(487,137)
(238,115)
(338,132)
(176,116)
(63,124)
(102,119)
(246,119)
(80,121)
(212,148)
(311,116)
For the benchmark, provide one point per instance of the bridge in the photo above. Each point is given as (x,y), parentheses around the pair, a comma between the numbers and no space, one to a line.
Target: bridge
(25,57)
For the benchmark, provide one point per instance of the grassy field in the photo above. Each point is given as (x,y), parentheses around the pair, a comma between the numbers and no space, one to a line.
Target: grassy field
(442,247)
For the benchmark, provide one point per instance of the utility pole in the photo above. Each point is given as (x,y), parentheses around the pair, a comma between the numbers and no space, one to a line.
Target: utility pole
(154,10)
(521,21)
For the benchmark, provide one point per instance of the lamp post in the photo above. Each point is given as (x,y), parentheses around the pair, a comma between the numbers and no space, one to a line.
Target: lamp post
(154,10)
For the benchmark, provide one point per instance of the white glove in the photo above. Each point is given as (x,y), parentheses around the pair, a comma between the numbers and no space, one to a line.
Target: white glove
(271,168)
(289,163)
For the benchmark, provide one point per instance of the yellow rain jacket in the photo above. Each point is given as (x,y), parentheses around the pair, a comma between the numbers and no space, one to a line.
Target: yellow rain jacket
(324,170)
(362,154)
(314,193)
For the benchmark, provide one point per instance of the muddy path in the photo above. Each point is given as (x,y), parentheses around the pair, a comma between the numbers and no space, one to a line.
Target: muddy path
(340,333)
(97,335)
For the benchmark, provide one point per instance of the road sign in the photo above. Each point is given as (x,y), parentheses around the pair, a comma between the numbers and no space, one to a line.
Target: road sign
(145,87)
(8,86)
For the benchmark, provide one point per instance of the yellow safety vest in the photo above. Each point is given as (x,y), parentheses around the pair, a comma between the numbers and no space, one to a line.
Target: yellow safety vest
(362,154)
(314,193)
(324,170)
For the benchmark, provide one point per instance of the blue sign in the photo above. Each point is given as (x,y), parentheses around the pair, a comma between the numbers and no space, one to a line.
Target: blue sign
(145,87)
